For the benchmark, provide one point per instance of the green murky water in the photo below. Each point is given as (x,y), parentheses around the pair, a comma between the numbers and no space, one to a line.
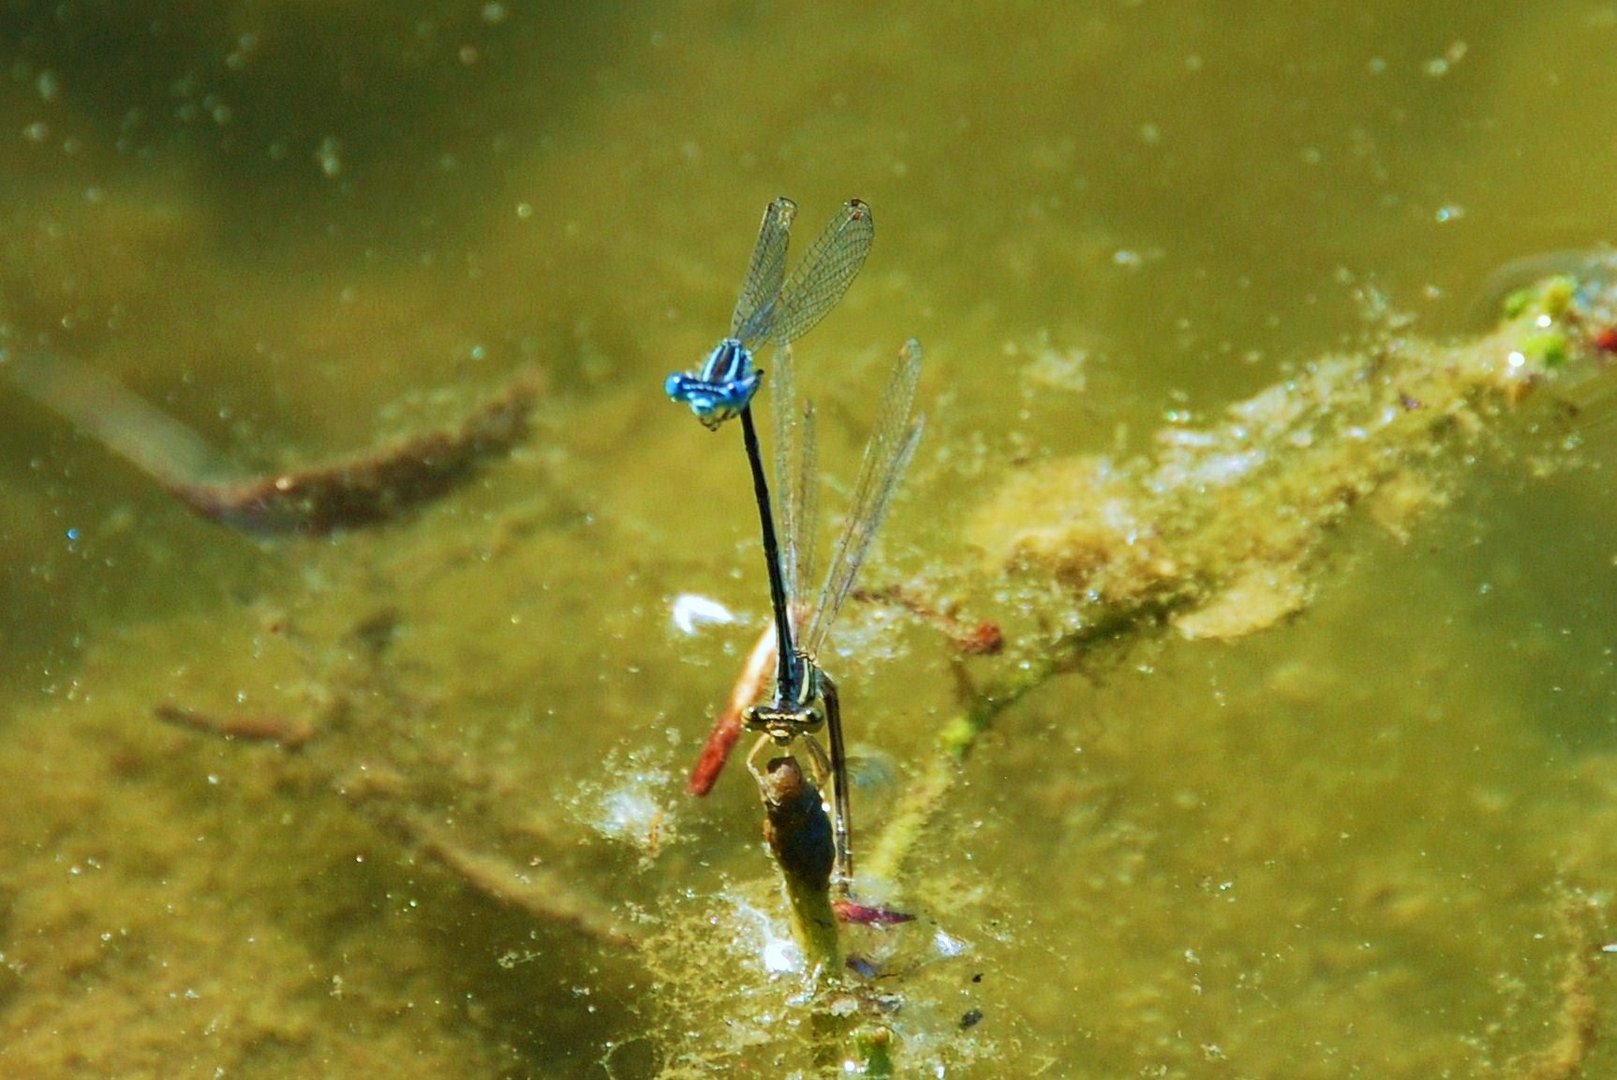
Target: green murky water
(1373,839)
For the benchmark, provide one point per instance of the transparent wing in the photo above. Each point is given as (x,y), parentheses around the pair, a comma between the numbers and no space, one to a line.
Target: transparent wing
(806,494)
(755,309)
(788,451)
(886,455)
(825,273)
(796,481)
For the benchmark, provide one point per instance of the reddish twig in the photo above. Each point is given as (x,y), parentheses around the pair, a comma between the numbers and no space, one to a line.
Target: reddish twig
(726,731)
(288,732)
(983,638)
(852,911)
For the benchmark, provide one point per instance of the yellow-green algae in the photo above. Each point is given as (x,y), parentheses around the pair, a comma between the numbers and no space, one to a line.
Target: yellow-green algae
(1223,531)
(499,843)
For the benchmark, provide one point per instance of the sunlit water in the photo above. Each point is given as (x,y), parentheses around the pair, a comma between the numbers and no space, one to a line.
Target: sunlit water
(1373,840)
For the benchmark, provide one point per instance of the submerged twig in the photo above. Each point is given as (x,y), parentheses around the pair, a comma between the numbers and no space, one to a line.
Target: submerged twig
(533,890)
(287,732)
(982,638)
(371,487)
(1577,1022)
(383,797)
(367,488)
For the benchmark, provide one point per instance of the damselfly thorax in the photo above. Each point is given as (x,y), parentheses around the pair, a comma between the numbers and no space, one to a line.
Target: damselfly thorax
(800,714)
(721,387)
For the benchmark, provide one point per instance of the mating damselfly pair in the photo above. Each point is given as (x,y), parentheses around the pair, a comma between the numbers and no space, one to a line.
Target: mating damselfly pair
(777,310)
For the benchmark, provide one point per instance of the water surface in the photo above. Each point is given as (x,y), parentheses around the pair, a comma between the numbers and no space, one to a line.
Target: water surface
(1372,839)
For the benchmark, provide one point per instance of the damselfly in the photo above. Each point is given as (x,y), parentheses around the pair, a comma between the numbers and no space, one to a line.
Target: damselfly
(773,308)
(778,309)
(805,696)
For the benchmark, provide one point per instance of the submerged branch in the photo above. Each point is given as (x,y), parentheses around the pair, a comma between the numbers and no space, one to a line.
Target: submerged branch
(1577,1020)
(389,801)
(1221,532)
(536,891)
(533,890)
(367,488)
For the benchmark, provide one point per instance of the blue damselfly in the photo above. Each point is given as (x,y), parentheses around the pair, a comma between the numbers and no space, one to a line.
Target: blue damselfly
(779,309)
(773,308)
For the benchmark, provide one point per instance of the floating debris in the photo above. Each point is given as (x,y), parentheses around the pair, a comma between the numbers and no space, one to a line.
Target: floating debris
(691,611)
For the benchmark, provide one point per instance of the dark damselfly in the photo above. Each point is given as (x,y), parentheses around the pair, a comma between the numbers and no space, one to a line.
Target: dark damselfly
(805,697)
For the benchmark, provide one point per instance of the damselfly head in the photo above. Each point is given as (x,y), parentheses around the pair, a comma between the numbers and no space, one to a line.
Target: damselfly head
(784,723)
